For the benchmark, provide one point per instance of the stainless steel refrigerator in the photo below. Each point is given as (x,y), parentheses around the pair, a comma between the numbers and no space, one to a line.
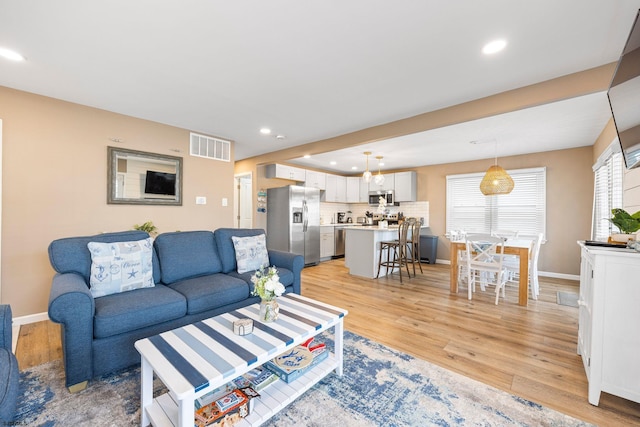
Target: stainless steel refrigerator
(293,221)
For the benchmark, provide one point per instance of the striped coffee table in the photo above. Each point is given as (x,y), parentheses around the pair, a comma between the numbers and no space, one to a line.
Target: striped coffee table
(197,358)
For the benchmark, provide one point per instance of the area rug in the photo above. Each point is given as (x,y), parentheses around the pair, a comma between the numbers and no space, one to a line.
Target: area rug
(567,298)
(380,386)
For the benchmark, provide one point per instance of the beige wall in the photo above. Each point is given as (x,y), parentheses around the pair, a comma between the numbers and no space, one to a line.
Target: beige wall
(569,201)
(54,185)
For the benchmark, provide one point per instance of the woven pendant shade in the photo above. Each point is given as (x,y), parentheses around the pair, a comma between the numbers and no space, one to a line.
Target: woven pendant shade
(496,181)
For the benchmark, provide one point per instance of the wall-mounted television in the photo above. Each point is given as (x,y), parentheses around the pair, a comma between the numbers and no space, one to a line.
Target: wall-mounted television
(624,98)
(160,183)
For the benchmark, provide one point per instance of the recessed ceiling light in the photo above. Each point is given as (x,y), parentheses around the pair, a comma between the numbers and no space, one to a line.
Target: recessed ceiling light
(307,156)
(333,163)
(354,168)
(11,54)
(265,131)
(280,137)
(494,46)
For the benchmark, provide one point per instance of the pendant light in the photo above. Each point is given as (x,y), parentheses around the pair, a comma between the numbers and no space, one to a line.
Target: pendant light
(496,180)
(367,175)
(379,178)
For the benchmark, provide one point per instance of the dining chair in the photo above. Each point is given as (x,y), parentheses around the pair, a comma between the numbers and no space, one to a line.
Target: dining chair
(396,251)
(484,255)
(513,266)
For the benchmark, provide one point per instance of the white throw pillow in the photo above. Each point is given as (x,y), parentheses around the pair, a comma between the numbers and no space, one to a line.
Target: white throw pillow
(251,252)
(120,266)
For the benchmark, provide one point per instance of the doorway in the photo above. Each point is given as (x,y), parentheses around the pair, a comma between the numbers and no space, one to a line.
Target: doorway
(243,208)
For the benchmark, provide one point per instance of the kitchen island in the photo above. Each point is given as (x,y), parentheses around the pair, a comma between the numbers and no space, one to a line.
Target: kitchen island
(362,248)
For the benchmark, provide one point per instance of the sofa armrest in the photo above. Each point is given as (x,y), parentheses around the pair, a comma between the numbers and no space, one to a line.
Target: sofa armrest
(5,327)
(72,305)
(290,261)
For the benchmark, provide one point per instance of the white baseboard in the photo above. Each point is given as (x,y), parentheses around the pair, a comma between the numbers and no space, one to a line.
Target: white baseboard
(31,318)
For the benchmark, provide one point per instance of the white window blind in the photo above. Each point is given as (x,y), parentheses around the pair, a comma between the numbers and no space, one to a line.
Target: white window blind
(607,191)
(522,210)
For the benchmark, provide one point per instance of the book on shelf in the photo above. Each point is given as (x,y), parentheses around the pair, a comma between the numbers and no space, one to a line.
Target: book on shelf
(289,374)
(259,378)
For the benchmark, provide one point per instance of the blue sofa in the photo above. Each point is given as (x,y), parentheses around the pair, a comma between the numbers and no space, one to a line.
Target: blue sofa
(196,277)
(8,369)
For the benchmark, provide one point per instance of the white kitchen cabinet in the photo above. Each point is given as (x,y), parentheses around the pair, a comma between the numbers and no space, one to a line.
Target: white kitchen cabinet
(353,189)
(326,241)
(405,186)
(608,338)
(277,170)
(316,179)
(341,189)
(336,190)
(364,191)
(387,185)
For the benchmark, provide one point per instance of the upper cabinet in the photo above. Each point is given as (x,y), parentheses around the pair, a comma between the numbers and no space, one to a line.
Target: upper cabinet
(336,190)
(387,185)
(353,189)
(316,179)
(405,186)
(285,172)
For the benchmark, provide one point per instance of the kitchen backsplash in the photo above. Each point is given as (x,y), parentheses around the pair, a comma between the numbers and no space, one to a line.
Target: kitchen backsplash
(328,210)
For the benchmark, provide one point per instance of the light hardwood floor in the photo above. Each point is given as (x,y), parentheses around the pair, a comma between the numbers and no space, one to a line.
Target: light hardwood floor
(530,352)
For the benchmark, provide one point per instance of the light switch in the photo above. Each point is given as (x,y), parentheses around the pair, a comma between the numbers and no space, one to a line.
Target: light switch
(201,200)
(225,201)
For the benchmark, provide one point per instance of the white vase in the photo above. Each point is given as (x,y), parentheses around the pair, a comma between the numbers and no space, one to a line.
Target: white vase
(269,310)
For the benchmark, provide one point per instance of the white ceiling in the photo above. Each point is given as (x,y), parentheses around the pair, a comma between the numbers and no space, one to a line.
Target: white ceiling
(315,70)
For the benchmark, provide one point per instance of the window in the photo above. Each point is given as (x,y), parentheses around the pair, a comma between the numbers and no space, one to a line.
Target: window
(607,191)
(524,209)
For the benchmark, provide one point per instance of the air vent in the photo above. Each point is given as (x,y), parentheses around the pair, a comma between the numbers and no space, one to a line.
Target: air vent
(211,148)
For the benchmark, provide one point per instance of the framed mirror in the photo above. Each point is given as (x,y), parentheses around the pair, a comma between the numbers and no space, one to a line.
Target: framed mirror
(139,178)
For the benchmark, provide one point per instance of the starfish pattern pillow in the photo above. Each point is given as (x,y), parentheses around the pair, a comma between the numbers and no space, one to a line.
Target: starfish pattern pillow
(120,266)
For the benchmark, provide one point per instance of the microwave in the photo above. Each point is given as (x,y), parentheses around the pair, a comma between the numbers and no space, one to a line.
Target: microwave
(374,197)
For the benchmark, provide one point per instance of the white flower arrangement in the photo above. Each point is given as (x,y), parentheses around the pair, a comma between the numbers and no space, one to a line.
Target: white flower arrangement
(267,284)
(382,205)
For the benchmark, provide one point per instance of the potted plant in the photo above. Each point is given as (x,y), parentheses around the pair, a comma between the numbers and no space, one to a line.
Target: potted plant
(626,223)
(148,227)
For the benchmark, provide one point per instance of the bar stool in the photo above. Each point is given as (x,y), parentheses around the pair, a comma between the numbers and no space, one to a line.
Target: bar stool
(414,244)
(399,249)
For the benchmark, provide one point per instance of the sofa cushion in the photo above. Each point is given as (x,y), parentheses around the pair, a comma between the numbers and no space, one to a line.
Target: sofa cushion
(208,292)
(120,266)
(286,277)
(128,311)
(225,244)
(187,254)
(251,252)
(71,254)
(9,386)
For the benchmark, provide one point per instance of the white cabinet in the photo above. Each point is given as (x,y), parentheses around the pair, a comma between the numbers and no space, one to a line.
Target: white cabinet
(364,191)
(277,170)
(353,189)
(336,190)
(608,338)
(326,241)
(388,184)
(405,186)
(316,179)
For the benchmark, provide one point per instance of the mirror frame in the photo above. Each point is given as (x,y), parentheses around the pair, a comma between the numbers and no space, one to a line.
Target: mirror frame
(112,173)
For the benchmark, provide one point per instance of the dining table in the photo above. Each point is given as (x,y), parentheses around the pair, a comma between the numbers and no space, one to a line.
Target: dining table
(519,247)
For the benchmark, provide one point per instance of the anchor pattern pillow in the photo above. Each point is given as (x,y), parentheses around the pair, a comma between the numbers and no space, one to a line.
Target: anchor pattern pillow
(120,266)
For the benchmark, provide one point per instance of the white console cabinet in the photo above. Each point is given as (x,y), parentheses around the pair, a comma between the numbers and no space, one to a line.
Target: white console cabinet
(609,321)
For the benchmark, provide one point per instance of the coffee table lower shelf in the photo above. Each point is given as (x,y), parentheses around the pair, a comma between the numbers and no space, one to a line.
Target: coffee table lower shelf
(163,412)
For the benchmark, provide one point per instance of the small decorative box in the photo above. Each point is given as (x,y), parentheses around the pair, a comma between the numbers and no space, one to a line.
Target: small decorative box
(242,326)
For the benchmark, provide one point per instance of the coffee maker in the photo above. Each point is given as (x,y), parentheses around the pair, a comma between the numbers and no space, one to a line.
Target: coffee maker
(341,217)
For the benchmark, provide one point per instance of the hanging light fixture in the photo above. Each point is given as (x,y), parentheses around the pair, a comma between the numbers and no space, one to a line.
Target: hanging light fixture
(496,180)
(367,175)
(379,178)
